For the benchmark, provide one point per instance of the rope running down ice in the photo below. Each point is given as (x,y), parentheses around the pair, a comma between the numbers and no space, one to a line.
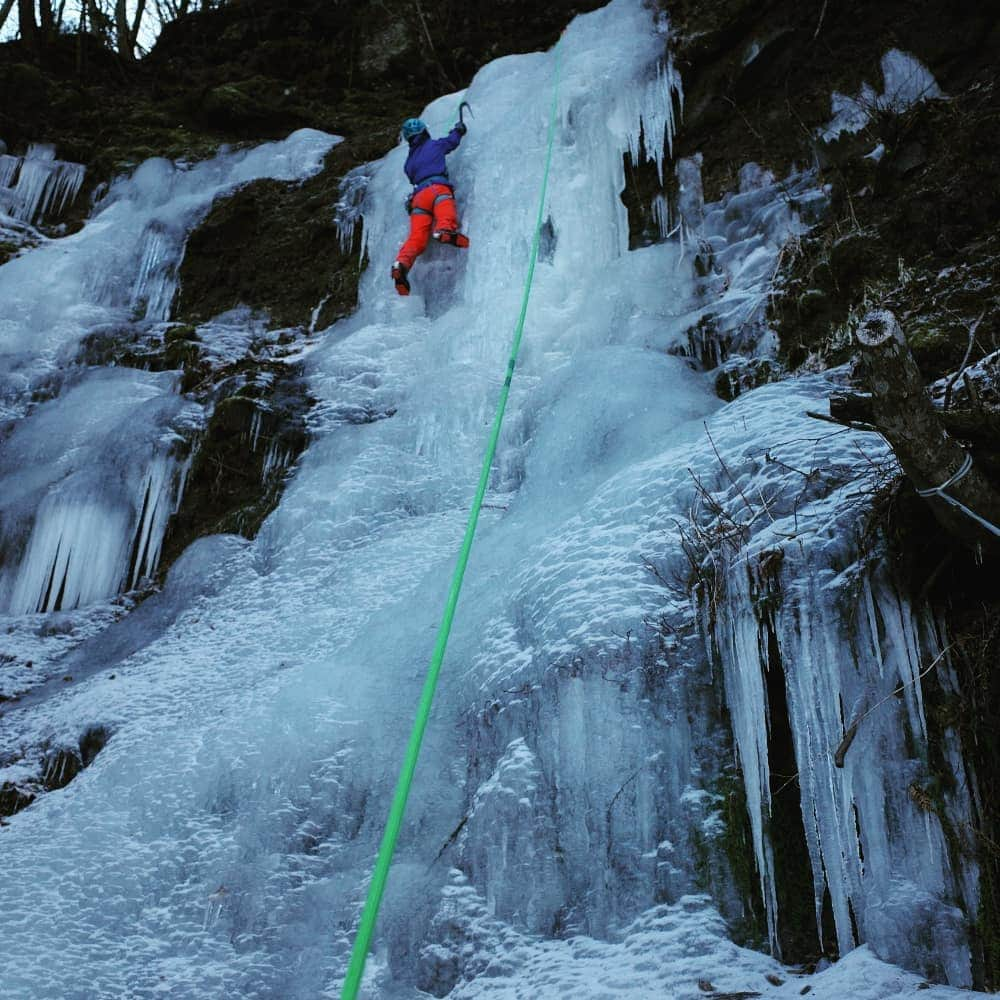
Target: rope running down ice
(939,491)
(369,914)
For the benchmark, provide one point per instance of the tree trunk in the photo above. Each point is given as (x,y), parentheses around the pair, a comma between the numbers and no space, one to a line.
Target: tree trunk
(140,8)
(29,27)
(100,25)
(123,36)
(81,31)
(930,457)
(46,19)
(979,427)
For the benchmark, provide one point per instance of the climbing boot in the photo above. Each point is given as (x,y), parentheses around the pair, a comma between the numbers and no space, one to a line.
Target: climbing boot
(402,283)
(452,238)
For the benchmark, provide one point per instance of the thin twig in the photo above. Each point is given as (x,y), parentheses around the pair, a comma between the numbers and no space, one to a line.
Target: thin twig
(743,116)
(845,743)
(965,361)
(611,805)
(725,469)
(719,511)
(767,509)
(451,840)
(854,425)
(768,457)
(819,23)
(430,44)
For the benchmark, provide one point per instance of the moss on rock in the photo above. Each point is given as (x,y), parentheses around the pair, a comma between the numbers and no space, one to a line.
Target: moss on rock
(7,250)
(276,248)
(255,433)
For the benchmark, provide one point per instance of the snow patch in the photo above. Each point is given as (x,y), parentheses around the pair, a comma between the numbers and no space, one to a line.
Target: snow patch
(906,82)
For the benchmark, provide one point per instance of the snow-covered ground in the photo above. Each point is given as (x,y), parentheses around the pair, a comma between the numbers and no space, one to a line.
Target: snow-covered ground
(565,835)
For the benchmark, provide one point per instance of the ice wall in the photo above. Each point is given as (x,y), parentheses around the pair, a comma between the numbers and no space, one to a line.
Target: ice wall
(122,266)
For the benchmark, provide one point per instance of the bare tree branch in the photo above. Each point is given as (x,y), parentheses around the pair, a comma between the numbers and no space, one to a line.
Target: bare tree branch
(140,7)
(28,25)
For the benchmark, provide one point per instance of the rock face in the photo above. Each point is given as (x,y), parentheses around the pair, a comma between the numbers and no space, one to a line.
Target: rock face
(911,194)
(278,249)
(242,70)
(60,766)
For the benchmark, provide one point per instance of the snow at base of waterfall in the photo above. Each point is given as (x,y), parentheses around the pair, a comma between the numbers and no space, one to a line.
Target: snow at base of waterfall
(680,951)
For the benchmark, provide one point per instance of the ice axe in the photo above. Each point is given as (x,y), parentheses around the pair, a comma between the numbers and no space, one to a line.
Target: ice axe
(461,111)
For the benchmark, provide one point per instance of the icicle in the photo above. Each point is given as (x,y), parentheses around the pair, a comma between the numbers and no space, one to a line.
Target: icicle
(317,312)
(77,554)
(9,166)
(660,209)
(654,118)
(859,807)
(84,547)
(255,425)
(347,211)
(162,495)
(156,280)
(738,638)
(274,460)
(38,184)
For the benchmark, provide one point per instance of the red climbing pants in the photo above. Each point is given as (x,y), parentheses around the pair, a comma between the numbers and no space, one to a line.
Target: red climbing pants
(433,209)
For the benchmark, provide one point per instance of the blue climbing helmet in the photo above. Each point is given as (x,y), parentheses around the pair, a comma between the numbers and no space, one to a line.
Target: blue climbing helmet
(412,127)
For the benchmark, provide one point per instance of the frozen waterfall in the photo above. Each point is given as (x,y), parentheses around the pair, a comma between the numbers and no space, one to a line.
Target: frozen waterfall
(95,459)
(572,830)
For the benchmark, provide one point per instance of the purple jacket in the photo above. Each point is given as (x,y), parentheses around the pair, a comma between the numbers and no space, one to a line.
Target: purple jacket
(425,164)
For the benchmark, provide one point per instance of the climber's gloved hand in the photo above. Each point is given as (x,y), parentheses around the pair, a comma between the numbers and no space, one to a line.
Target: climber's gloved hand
(461,128)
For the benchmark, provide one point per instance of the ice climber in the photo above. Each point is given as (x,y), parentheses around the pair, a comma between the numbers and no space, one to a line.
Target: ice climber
(431,204)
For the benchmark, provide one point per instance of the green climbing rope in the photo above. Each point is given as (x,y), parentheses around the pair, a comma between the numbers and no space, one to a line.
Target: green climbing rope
(369,915)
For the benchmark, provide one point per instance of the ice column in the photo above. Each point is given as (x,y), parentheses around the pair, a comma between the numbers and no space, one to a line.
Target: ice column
(850,650)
